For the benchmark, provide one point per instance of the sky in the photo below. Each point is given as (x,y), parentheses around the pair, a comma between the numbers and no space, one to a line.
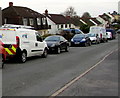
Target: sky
(94,7)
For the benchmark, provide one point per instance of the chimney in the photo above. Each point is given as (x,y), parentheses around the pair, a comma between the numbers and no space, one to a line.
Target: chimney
(10,4)
(68,17)
(46,12)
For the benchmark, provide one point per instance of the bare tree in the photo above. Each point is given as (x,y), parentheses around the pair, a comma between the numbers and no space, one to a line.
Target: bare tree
(70,12)
(86,15)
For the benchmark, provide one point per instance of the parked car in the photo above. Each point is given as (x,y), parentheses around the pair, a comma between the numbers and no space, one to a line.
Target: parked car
(57,43)
(113,33)
(74,31)
(94,38)
(109,35)
(69,33)
(80,39)
(118,31)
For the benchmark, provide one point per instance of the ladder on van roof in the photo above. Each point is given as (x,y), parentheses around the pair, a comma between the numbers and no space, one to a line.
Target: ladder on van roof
(17,26)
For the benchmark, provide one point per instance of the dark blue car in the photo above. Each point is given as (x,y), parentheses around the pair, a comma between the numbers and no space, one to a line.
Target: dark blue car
(80,39)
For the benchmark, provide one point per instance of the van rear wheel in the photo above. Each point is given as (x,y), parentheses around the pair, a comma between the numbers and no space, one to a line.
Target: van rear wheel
(23,57)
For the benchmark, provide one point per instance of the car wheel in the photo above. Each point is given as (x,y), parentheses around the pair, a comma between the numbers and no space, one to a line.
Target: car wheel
(23,57)
(71,44)
(58,50)
(85,44)
(90,43)
(45,53)
(96,42)
(106,40)
(67,48)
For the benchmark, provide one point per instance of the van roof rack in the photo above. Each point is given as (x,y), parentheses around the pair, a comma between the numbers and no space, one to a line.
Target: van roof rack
(17,26)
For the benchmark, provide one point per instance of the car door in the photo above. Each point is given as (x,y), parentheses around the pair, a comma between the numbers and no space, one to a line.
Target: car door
(63,42)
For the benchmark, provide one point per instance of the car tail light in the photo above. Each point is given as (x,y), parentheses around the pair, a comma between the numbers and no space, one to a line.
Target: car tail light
(100,35)
(17,41)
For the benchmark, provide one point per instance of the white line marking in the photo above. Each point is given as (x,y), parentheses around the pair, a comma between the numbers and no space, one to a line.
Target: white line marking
(81,75)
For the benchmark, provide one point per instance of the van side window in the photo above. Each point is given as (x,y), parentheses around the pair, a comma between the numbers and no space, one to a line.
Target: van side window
(38,37)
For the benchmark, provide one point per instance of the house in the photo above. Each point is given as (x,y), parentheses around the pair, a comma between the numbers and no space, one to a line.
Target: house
(76,21)
(84,23)
(57,22)
(80,22)
(116,16)
(24,16)
(0,17)
(102,20)
(106,19)
(90,21)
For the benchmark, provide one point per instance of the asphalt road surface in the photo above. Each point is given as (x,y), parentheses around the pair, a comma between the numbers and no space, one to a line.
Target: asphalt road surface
(100,81)
(44,76)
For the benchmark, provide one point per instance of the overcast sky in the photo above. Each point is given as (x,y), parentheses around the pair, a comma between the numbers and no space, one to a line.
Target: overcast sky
(94,7)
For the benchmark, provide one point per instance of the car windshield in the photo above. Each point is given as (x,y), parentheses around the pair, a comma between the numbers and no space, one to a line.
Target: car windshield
(79,36)
(52,38)
(91,35)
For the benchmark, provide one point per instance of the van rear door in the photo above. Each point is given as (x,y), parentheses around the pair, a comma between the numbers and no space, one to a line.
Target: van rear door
(8,36)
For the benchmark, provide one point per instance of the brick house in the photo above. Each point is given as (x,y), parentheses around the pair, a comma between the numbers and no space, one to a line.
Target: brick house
(24,16)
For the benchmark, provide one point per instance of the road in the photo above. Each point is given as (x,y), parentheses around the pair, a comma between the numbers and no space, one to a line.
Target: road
(102,80)
(44,76)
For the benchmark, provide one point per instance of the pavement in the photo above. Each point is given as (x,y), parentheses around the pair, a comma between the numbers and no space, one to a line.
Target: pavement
(101,81)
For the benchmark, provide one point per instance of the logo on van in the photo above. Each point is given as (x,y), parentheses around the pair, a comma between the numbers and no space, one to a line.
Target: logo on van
(1,36)
(24,35)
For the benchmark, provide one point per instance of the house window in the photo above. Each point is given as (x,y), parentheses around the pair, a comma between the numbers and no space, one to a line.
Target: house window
(65,25)
(38,21)
(69,25)
(31,21)
(49,26)
(61,26)
(5,20)
(58,26)
(25,22)
(44,21)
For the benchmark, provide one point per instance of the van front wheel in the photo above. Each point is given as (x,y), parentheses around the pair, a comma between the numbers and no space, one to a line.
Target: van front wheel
(44,55)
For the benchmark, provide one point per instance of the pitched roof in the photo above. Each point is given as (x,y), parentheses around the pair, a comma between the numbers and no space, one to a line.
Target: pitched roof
(87,21)
(84,21)
(105,16)
(96,21)
(75,20)
(21,11)
(58,18)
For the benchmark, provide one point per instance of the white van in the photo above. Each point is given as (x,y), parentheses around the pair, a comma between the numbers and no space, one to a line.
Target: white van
(100,31)
(22,42)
